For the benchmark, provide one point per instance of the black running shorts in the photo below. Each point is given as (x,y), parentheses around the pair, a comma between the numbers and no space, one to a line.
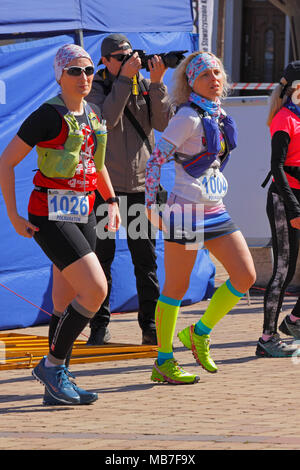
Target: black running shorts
(64,242)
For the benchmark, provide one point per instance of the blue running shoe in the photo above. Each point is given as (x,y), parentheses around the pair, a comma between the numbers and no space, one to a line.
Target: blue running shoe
(56,382)
(86,398)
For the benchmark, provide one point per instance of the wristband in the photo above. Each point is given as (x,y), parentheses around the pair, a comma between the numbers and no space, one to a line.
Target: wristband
(111,200)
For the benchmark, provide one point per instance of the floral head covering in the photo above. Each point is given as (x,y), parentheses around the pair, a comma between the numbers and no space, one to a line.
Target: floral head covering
(65,55)
(198,64)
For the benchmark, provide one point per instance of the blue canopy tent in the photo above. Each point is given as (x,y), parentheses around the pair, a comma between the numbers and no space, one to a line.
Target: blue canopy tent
(26,81)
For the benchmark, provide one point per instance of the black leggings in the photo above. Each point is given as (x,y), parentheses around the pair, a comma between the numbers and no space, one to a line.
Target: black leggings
(143,255)
(285,243)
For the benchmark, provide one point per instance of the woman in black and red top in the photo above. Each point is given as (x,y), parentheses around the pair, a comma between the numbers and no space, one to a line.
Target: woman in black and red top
(283,210)
(66,235)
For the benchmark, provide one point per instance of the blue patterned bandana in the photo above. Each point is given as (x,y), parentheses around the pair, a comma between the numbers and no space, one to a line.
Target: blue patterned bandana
(198,64)
(212,107)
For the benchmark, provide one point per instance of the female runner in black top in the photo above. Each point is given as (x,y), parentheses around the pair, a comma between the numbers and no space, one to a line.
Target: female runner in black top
(79,284)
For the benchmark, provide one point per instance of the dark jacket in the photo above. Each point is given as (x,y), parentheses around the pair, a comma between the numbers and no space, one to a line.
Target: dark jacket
(126,153)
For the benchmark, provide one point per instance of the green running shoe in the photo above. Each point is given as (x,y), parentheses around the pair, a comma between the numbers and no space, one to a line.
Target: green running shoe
(199,346)
(171,372)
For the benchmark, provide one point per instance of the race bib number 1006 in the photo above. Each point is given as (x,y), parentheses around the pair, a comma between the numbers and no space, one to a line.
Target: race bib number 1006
(68,206)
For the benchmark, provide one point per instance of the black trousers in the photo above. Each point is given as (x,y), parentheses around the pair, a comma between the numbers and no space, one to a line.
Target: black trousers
(142,250)
(285,244)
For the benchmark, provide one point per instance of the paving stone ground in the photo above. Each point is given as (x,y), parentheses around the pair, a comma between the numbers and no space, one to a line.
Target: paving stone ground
(250,404)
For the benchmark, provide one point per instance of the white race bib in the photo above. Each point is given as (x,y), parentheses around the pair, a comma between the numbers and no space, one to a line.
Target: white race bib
(68,206)
(213,185)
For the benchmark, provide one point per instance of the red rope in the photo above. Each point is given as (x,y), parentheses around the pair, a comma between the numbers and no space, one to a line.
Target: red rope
(31,303)
(36,306)
(263,289)
(115,313)
(23,298)
(286,293)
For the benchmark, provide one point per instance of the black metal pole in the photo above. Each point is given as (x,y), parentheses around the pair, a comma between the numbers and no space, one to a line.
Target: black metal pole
(79,37)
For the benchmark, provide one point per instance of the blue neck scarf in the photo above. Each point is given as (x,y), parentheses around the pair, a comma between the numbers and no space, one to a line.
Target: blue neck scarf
(292,107)
(212,107)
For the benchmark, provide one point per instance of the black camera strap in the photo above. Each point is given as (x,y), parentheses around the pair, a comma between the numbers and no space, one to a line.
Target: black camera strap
(107,84)
(138,128)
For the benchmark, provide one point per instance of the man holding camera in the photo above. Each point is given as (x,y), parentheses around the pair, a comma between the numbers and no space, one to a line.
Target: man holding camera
(132,107)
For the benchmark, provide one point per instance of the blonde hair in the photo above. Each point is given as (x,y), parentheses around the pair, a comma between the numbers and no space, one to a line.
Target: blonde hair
(181,90)
(276,103)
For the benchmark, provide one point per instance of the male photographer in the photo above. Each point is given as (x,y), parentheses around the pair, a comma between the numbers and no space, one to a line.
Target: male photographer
(132,107)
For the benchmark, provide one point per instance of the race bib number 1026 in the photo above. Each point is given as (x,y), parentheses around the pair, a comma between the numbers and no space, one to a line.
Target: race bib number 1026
(68,206)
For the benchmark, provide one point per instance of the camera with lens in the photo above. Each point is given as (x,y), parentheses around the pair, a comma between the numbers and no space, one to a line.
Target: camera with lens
(170,59)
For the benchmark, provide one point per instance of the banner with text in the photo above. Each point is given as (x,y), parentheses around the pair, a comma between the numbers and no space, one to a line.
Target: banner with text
(203,11)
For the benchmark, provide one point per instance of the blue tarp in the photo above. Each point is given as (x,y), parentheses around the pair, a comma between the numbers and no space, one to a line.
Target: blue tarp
(30,16)
(26,81)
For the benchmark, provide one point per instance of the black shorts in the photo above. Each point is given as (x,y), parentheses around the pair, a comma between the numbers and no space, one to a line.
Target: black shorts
(64,242)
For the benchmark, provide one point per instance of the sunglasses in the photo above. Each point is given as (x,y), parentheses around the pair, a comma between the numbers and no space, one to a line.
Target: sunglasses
(118,57)
(75,71)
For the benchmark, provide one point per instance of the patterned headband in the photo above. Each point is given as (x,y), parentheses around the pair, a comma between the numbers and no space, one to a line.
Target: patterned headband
(198,64)
(65,55)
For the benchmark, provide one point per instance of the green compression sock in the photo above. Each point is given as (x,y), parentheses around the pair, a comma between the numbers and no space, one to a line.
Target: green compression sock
(165,320)
(223,300)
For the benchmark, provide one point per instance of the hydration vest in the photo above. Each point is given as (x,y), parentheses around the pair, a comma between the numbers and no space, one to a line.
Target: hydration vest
(214,132)
(60,160)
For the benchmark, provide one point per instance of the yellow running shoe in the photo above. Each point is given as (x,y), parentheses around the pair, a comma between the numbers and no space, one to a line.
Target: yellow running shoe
(199,346)
(171,372)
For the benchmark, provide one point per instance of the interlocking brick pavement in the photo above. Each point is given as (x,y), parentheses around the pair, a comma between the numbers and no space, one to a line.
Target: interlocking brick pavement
(251,403)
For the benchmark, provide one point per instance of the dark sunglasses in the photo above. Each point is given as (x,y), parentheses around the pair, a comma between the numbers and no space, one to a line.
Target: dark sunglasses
(118,57)
(77,71)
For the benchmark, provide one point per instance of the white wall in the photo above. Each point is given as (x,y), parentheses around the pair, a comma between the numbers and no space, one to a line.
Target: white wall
(248,167)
